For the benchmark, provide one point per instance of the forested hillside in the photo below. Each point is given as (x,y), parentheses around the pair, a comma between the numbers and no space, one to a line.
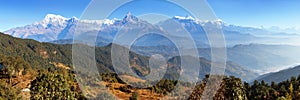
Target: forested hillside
(34,70)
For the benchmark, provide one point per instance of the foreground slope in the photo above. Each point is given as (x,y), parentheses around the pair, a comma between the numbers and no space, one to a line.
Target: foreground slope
(49,55)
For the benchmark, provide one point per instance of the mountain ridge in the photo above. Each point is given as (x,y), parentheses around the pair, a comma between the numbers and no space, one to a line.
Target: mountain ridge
(31,50)
(56,27)
(52,25)
(281,75)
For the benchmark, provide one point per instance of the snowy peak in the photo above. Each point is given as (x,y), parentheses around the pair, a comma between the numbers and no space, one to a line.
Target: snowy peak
(58,20)
(54,17)
(73,19)
(184,18)
(188,19)
(52,20)
(128,14)
(129,18)
(54,27)
(212,22)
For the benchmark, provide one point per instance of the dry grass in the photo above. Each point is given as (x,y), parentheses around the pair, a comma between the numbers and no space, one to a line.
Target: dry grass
(60,65)
(144,94)
(128,78)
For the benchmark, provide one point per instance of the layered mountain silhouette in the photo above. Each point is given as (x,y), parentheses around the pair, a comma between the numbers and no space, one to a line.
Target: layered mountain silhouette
(45,54)
(55,27)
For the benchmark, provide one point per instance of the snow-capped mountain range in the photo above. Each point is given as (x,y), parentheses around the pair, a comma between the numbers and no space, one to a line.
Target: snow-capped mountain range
(56,27)
(53,27)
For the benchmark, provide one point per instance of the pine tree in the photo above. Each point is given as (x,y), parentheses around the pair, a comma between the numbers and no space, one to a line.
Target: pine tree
(52,86)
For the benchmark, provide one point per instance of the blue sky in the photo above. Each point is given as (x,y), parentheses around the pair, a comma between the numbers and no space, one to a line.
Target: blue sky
(254,13)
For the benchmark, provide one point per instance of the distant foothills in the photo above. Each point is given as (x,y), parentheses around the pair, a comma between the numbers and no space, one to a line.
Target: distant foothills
(257,49)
